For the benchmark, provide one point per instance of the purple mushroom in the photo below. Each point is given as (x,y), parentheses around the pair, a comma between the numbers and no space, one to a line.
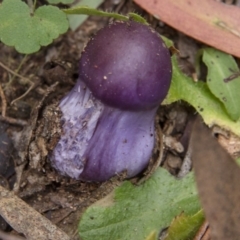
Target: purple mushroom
(108,117)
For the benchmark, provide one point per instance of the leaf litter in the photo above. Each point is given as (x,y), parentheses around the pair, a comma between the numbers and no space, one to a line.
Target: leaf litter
(85,194)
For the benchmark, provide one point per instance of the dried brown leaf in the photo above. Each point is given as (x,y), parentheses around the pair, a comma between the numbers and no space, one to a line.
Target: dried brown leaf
(208,21)
(218,178)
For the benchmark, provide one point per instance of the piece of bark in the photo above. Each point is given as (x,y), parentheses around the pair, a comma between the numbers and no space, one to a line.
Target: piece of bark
(26,220)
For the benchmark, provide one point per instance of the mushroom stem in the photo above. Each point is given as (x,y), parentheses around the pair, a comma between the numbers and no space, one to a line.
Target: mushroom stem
(98,139)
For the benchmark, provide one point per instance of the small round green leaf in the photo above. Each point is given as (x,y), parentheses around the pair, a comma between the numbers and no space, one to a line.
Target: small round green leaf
(26,32)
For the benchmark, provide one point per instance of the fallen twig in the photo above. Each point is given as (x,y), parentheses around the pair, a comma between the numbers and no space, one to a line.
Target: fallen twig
(33,85)
(13,121)
(26,80)
(4,102)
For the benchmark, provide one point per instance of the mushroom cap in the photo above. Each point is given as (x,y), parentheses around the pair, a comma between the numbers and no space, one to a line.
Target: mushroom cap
(127,66)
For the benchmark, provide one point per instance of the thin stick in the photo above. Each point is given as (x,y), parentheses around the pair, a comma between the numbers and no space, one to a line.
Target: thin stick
(17,70)
(13,121)
(14,73)
(22,96)
(4,102)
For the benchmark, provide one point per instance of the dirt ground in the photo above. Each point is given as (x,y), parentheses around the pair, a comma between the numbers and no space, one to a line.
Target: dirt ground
(30,97)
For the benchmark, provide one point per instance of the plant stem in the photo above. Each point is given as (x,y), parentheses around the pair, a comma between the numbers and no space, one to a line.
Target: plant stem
(34,5)
(18,69)
(31,6)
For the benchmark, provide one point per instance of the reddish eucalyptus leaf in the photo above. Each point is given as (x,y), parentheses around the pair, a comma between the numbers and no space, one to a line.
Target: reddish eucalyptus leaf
(218,178)
(208,21)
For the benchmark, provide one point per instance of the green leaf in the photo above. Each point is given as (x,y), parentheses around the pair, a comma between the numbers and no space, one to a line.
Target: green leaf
(139,212)
(75,20)
(200,97)
(60,1)
(220,66)
(185,227)
(28,33)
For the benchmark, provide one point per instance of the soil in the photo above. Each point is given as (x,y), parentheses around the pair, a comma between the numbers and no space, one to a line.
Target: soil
(43,79)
